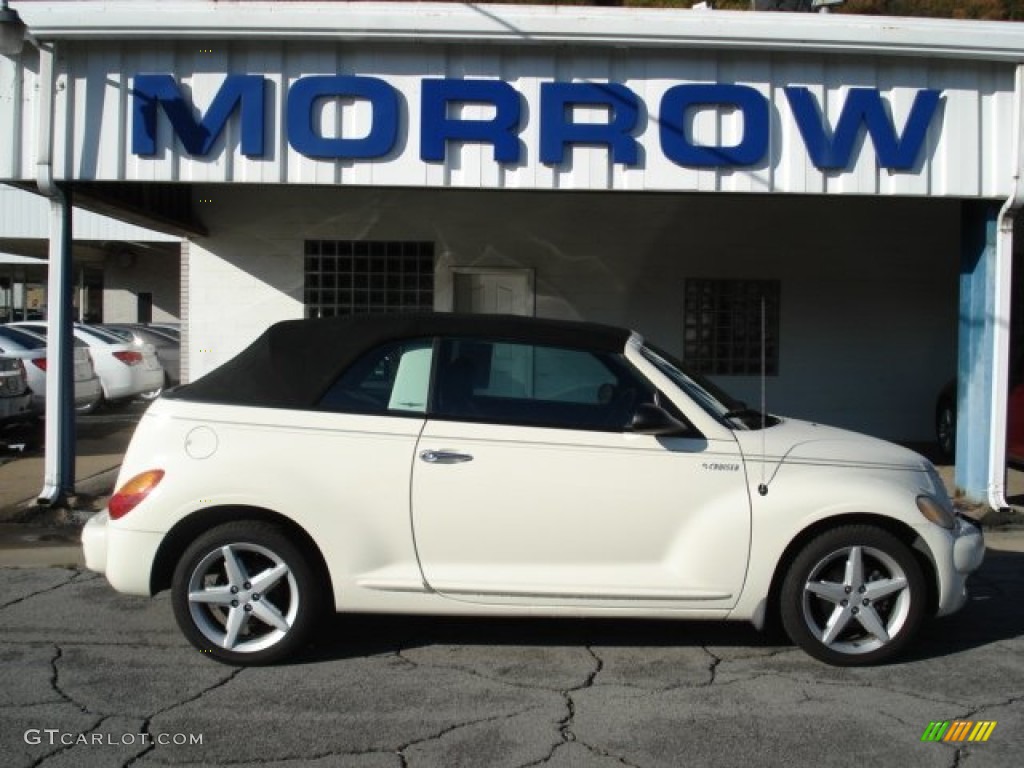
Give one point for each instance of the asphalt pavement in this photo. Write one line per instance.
(94, 678)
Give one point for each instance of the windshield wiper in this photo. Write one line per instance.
(741, 410)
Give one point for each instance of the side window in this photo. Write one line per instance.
(392, 379)
(536, 386)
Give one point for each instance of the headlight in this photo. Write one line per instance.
(932, 509)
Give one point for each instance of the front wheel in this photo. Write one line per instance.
(945, 427)
(244, 593)
(853, 596)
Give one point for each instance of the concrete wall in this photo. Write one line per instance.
(869, 285)
(126, 273)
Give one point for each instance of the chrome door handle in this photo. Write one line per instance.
(445, 457)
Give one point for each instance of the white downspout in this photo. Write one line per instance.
(1002, 308)
(56, 458)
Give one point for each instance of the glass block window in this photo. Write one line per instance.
(351, 277)
(723, 326)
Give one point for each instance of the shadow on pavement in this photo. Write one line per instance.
(353, 636)
(993, 614)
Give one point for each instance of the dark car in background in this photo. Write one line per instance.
(15, 396)
(946, 418)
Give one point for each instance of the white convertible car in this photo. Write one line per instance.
(489, 465)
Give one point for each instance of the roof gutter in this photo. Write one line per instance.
(1002, 308)
(477, 23)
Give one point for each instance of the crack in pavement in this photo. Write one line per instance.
(401, 750)
(963, 751)
(400, 653)
(841, 684)
(148, 721)
(75, 576)
(55, 681)
(398, 752)
(95, 644)
(713, 667)
(972, 711)
(565, 726)
(565, 732)
(65, 747)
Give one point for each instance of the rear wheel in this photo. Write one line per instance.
(853, 596)
(153, 394)
(244, 593)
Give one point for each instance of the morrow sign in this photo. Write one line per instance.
(864, 111)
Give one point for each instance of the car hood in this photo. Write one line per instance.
(792, 441)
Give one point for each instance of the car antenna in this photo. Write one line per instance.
(763, 487)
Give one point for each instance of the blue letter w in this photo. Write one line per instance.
(863, 108)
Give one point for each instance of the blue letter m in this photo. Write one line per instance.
(243, 92)
(863, 108)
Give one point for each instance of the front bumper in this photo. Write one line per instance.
(966, 553)
(968, 546)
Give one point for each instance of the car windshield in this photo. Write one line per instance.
(708, 395)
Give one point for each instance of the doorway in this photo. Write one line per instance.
(489, 291)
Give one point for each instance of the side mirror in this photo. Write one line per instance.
(650, 419)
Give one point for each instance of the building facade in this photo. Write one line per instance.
(122, 273)
(825, 201)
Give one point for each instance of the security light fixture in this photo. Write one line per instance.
(12, 31)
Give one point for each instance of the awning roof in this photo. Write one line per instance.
(523, 25)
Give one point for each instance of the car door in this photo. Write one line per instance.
(528, 487)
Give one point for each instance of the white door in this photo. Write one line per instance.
(519, 513)
(493, 291)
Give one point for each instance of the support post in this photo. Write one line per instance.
(981, 370)
(59, 458)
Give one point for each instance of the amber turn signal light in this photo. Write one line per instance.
(132, 493)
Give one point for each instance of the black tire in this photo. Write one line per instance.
(884, 604)
(262, 613)
(92, 407)
(945, 427)
(153, 394)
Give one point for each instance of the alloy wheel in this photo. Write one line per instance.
(856, 600)
(243, 597)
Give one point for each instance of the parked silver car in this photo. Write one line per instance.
(15, 397)
(164, 340)
(125, 371)
(30, 348)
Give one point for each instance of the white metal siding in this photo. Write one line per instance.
(968, 149)
(24, 215)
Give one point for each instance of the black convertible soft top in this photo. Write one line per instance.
(294, 362)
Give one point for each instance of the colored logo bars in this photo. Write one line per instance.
(958, 730)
